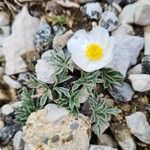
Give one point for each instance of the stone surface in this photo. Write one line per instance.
(4, 19)
(109, 21)
(101, 147)
(30, 58)
(18, 143)
(1, 123)
(142, 68)
(123, 136)
(139, 126)
(126, 51)
(84, 95)
(140, 82)
(63, 132)
(136, 69)
(61, 40)
(142, 12)
(44, 69)
(43, 37)
(5, 94)
(122, 93)
(55, 113)
(7, 109)
(11, 82)
(147, 39)
(7, 133)
(107, 140)
(67, 4)
(19, 42)
(127, 14)
(92, 10)
(124, 29)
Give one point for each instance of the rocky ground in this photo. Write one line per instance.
(30, 29)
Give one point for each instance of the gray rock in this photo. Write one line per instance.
(101, 147)
(142, 68)
(142, 12)
(124, 29)
(147, 39)
(92, 10)
(7, 133)
(43, 37)
(19, 42)
(136, 69)
(84, 95)
(18, 143)
(140, 82)
(54, 113)
(107, 140)
(4, 19)
(123, 137)
(126, 51)
(122, 93)
(44, 69)
(127, 14)
(85, 1)
(57, 125)
(7, 109)
(139, 126)
(109, 21)
(11, 82)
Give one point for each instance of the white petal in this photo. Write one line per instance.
(78, 42)
(99, 35)
(108, 55)
(81, 61)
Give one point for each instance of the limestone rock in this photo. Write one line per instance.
(17, 141)
(4, 19)
(127, 14)
(67, 3)
(123, 137)
(147, 39)
(122, 93)
(124, 29)
(84, 95)
(101, 147)
(142, 12)
(7, 109)
(11, 82)
(92, 10)
(140, 82)
(109, 21)
(61, 40)
(43, 36)
(19, 42)
(139, 126)
(65, 132)
(44, 69)
(126, 51)
(107, 140)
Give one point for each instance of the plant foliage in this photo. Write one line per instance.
(110, 77)
(29, 104)
(100, 112)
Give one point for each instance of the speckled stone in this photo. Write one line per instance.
(62, 131)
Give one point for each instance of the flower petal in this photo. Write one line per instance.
(108, 55)
(99, 35)
(78, 42)
(81, 61)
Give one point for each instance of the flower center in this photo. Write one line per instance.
(94, 51)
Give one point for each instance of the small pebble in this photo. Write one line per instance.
(7, 109)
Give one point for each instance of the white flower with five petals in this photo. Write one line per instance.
(91, 50)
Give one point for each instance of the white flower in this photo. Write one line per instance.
(91, 50)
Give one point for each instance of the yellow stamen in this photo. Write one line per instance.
(94, 51)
